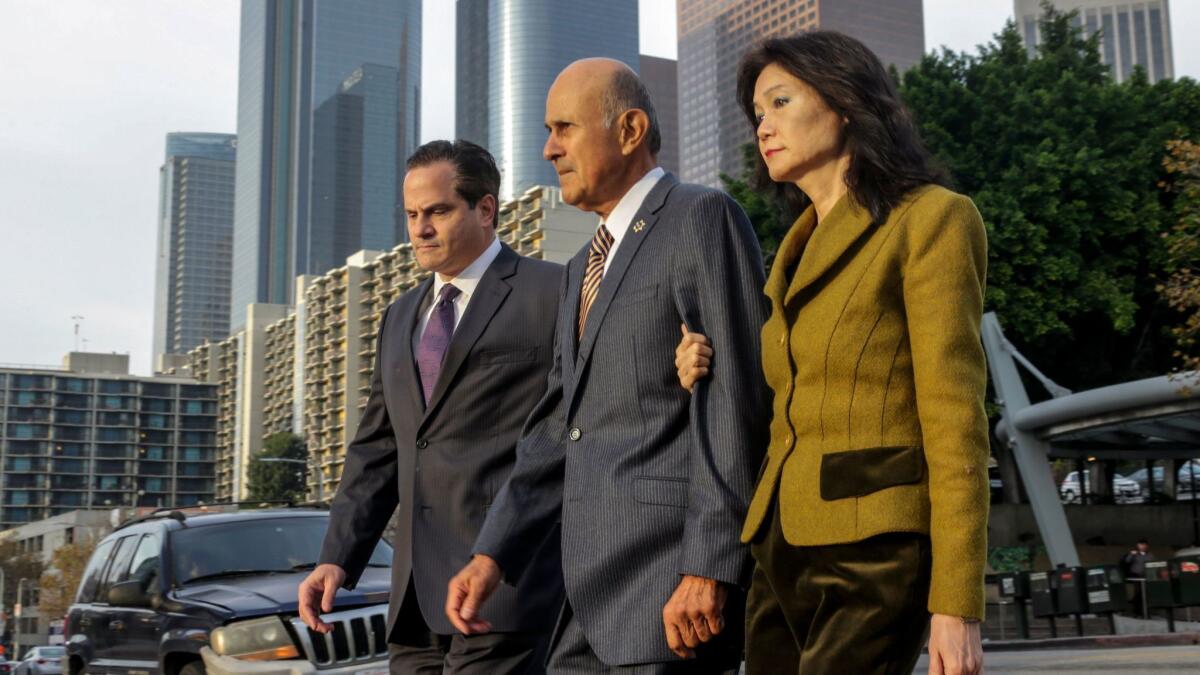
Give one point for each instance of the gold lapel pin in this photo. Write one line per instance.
(639, 226)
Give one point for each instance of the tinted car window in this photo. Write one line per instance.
(144, 566)
(267, 545)
(91, 576)
(120, 564)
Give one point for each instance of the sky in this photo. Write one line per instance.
(89, 90)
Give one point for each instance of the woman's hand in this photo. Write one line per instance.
(692, 357)
(955, 647)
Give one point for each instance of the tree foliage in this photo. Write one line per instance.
(278, 481)
(1065, 166)
(1182, 287)
(768, 219)
(59, 583)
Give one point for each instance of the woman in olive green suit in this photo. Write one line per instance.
(868, 524)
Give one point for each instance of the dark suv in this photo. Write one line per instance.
(184, 594)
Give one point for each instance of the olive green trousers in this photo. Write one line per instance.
(849, 608)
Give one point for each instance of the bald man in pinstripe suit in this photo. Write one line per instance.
(650, 484)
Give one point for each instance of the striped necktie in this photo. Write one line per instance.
(597, 255)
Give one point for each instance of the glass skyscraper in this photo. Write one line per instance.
(713, 36)
(195, 241)
(528, 43)
(1131, 33)
(328, 110)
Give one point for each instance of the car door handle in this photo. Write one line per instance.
(116, 624)
(85, 622)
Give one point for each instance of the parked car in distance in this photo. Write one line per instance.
(185, 594)
(1125, 491)
(41, 661)
(1183, 481)
(6, 666)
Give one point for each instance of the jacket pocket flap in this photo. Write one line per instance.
(661, 491)
(855, 473)
(507, 355)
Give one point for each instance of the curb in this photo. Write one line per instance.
(1096, 642)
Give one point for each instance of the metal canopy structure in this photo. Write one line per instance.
(1155, 418)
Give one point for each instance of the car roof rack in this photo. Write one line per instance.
(180, 513)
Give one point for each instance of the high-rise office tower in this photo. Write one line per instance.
(195, 242)
(328, 110)
(662, 79)
(1131, 33)
(713, 35)
(528, 43)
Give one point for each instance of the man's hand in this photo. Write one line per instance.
(320, 586)
(467, 592)
(693, 614)
(954, 647)
(692, 357)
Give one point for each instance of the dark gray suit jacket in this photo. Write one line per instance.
(650, 482)
(442, 465)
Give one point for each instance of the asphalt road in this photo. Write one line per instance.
(1128, 661)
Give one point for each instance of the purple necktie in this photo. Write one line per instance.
(436, 339)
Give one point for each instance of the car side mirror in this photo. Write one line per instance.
(129, 594)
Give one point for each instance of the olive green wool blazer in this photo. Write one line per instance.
(873, 353)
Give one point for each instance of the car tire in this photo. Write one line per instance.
(193, 668)
(1068, 496)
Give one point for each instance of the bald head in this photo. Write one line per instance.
(617, 88)
(603, 133)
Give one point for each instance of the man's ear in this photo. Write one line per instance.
(632, 127)
(488, 208)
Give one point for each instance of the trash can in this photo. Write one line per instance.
(1070, 590)
(1041, 594)
(1186, 573)
(1106, 590)
(1161, 585)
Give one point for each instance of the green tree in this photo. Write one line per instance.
(278, 481)
(767, 217)
(1064, 165)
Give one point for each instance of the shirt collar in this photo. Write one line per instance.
(618, 221)
(468, 279)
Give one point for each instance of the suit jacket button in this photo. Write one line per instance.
(576, 434)
(422, 444)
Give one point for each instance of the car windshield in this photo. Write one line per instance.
(51, 652)
(258, 546)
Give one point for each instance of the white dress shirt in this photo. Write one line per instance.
(620, 219)
(466, 282)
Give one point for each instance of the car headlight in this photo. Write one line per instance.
(263, 639)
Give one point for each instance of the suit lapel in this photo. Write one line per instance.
(489, 295)
(639, 230)
(409, 320)
(844, 225)
(568, 324)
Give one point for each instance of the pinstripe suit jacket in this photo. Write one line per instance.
(439, 465)
(649, 482)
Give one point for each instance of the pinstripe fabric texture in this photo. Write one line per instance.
(439, 465)
(597, 255)
(649, 482)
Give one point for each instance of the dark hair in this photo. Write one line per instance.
(626, 91)
(475, 170)
(887, 157)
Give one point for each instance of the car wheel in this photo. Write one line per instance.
(193, 668)
(1068, 496)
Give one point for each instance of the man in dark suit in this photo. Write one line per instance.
(651, 485)
(461, 359)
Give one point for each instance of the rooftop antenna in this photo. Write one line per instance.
(76, 318)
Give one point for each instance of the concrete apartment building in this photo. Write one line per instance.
(90, 435)
(307, 369)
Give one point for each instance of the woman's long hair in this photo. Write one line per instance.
(887, 157)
